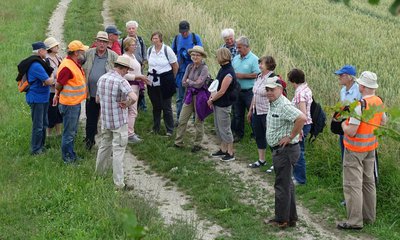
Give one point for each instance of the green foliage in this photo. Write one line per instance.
(132, 229)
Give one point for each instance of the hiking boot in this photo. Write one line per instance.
(134, 139)
(228, 157)
(273, 222)
(218, 154)
(257, 164)
(346, 226)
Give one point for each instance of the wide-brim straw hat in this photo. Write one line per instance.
(50, 43)
(198, 49)
(124, 61)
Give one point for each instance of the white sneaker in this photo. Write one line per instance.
(134, 139)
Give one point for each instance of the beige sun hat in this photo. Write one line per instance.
(51, 42)
(124, 61)
(198, 49)
(368, 79)
(102, 36)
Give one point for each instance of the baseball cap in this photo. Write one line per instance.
(184, 26)
(38, 45)
(273, 82)
(347, 69)
(76, 46)
(113, 30)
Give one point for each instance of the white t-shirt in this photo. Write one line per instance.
(159, 62)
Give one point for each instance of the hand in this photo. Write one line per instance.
(55, 100)
(123, 104)
(285, 141)
(210, 103)
(249, 115)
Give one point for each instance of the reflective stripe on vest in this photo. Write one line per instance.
(365, 140)
(74, 91)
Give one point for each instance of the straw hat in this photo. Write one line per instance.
(102, 36)
(50, 43)
(198, 49)
(124, 61)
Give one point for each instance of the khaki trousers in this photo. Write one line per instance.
(359, 187)
(184, 117)
(113, 141)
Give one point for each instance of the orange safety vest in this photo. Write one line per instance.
(365, 140)
(74, 92)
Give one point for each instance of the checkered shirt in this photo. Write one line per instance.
(111, 89)
(260, 95)
(232, 49)
(280, 120)
(303, 94)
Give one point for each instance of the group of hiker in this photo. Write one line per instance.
(109, 79)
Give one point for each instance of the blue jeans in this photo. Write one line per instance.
(39, 125)
(181, 93)
(71, 121)
(299, 170)
(239, 109)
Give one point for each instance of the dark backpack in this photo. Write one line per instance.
(235, 90)
(319, 120)
(175, 46)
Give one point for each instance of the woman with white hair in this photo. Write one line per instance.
(228, 34)
(54, 115)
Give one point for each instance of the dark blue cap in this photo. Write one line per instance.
(38, 45)
(113, 30)
(347, 69)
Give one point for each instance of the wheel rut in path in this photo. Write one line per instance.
(169, 199)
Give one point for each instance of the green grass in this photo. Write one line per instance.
(318, 37)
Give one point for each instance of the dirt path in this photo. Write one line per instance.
(169, 199)
(56, 23)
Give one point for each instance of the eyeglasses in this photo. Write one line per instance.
(195, 55)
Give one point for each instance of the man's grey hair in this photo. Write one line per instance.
(243, 41)
(35, 52)
(227, 32)
(132, 23)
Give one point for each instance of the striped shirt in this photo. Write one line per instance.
(303, 94)
(280, 121)
(261, 103)
(112, 88)
(232, 49)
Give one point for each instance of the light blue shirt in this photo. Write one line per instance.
(353, 94)
(247, 65)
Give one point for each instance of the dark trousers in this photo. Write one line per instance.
(161, 105)
(259, 124)
(39, 126)
(142, 100)
(285, 201)
(239, 109)
(92, 118)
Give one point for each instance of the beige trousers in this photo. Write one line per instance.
(113, 141)
(359, 187)
(184, 117)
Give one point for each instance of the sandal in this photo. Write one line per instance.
(270, 170)
(257, 164)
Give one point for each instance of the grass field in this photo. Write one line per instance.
(40, 198)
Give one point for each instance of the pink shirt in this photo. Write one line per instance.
(303, 94)
(261, 103)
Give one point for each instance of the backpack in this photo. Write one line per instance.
(23, 84)
(234, 94)
(319, 120)
(151, 49)
(175, 49)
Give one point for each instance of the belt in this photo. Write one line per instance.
(246, 90)
(288, 145)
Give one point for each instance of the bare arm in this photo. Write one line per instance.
(225, 84)
(175, 68)
(303, 107)
(246, 76)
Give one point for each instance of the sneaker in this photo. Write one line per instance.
(168, 134)
(270, 170)
(218, 154)
(134, 139)
(257, 164)
(228, 157)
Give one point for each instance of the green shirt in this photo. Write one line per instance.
(280, 121)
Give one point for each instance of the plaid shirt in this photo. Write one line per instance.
(261, 103)
(280, 120)
(112, 88)
(303, 94)
(232, 49)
